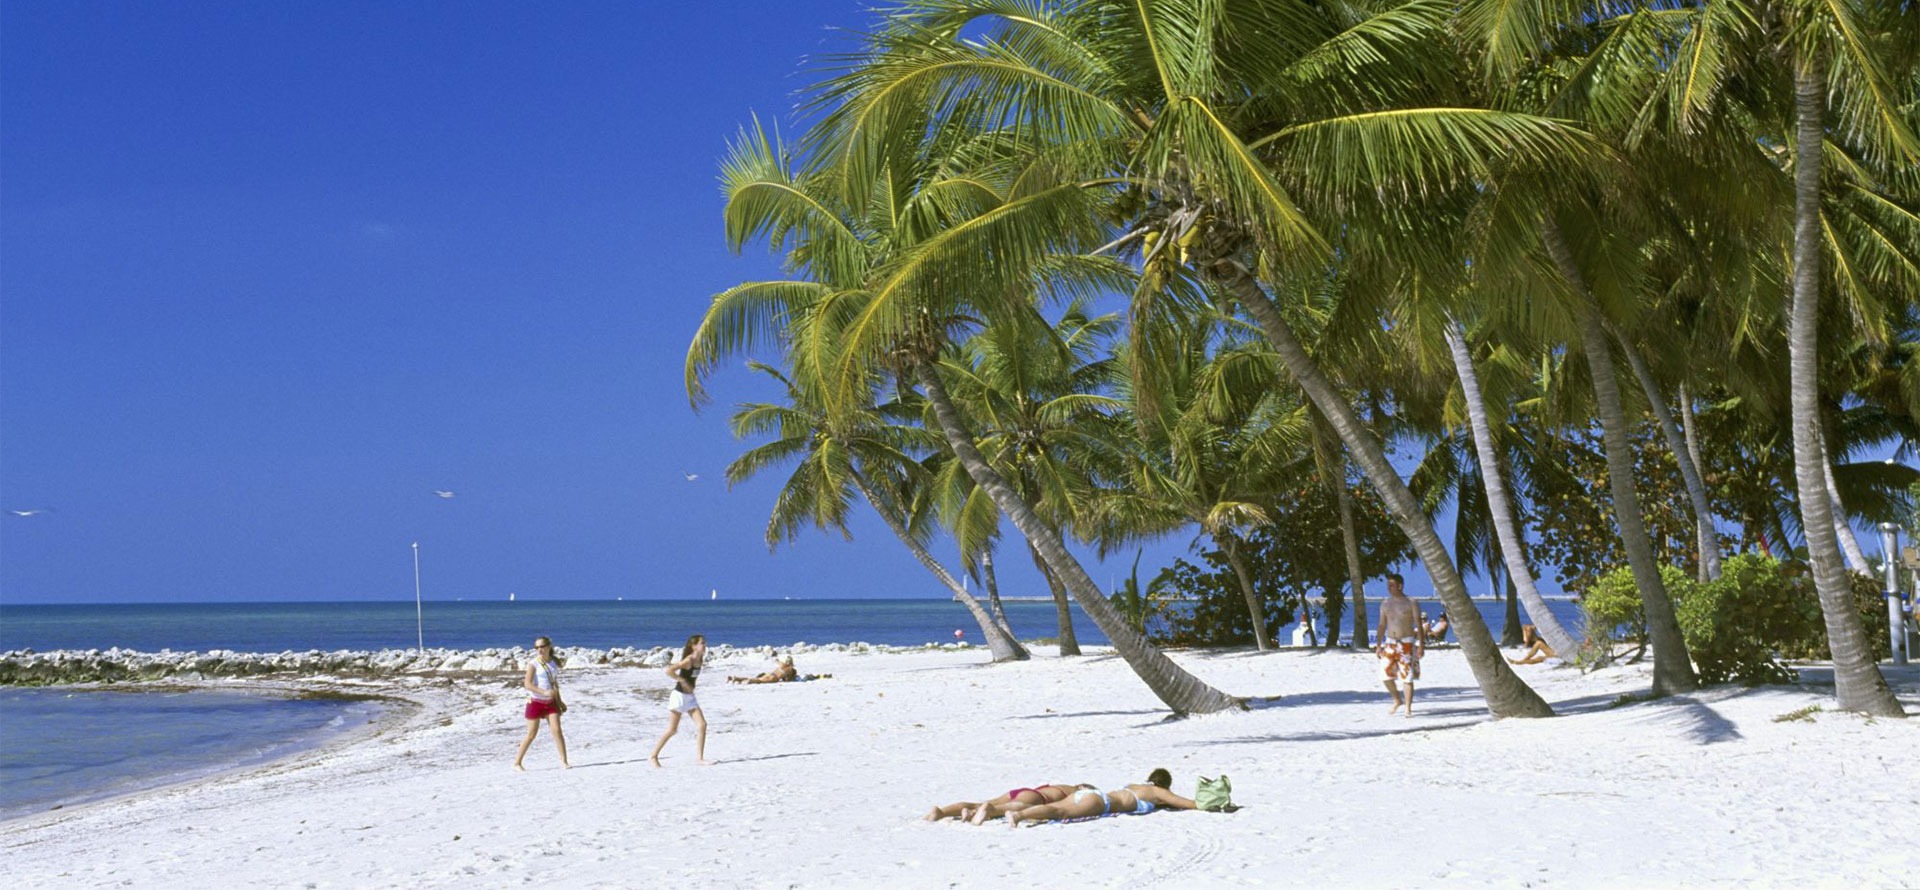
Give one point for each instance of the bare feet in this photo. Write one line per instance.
(979, 815)
(655, 761)
(705, 762)
(933, 815)
(516, 765)
(565, 765)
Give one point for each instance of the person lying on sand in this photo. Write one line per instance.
(1537, 648)
(784, 673)
(1088, 803)
(978, 812)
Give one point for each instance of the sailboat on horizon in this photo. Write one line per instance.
(509, 597)
(713, 594)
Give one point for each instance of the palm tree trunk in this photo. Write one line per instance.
(1062, 613)
(1000, 643)
(1703, 525)
(1506, 694)
(1857, 681)
(1689, 468)
(1672, 666)
(1510, 634)
(1849, 544)
(992, 581)
(1255, 610)
(1356, 577)
(1506, 530)
(1180, 690)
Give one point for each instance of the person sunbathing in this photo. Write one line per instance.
(980, 811)
(783, 673)
(1089, 803)
(1537, 648)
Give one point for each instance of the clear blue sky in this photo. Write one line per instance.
(272, 273)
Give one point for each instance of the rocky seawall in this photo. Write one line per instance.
(70, 666)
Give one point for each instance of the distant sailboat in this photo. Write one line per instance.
(509, 597)
(714, 594)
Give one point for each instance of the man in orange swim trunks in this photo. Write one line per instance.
(1400, 641)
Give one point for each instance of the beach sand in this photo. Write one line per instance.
(823, 784)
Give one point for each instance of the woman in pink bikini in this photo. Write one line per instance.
(542, 683)
(977, 813)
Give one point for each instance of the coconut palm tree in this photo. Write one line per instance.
(1215, 116)
(883, 283)
(860, 452)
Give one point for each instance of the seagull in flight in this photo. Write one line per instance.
(692, 477)
(37, 511)
(442, 493)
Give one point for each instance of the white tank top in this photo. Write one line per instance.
(543, 677)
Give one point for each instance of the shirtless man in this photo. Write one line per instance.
(1401, 640)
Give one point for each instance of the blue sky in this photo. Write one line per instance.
(273, 273)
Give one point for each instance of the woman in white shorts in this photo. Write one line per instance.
(685, 673)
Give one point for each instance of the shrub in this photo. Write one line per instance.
(1614, 611)
(1737, 627)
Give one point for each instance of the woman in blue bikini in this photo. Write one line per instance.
(1086, 803)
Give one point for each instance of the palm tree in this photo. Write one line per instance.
(1209, 126)
(859, 452)
(889, 267)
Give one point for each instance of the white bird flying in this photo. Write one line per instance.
(692, 477)
(444, 494)
(37, 511)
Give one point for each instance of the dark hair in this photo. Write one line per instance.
(1395, 577)
(1160, 777)
(550, 649)
(688, 648)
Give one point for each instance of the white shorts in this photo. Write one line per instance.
(684, 702)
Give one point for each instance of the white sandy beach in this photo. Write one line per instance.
(824, 784)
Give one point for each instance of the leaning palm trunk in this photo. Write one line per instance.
(993, 592)
(1356, 577)
(1672, 665)
(1180, 690)
(1069, 644)
(1506, 694)
(1702, 525)
(1498, 504)
(1857, 681)
(1689, 468)
(1000, 643)
(1849, 543)
(1255, 610)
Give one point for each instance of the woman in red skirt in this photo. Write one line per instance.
(542, 683)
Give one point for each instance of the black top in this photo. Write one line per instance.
(690, 676)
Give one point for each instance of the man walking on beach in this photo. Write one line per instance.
(1401, 640)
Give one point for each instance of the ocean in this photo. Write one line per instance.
(64, 746)
(281, 627)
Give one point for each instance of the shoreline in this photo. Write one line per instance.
(393, 711)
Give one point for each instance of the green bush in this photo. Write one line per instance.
(1738, 627)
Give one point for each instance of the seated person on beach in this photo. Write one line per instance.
(978, 812)
(1089, 803)
(1437, 629)
(1537, 648)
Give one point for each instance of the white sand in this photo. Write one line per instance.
(823, 784)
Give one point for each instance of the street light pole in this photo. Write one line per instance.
(1890, 564)
(419, 625)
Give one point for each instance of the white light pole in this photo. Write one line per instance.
(419, 626)
(1896, 623)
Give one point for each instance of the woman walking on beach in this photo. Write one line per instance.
(542, 683)
(685, 673)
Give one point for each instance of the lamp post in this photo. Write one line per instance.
(1890, 564)
(419, 626)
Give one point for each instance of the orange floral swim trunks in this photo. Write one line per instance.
(1400, 660)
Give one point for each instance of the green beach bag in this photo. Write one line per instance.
(1214, 795)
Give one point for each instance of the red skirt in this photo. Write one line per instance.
(538, 710)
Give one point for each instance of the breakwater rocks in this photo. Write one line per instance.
(67, 666)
